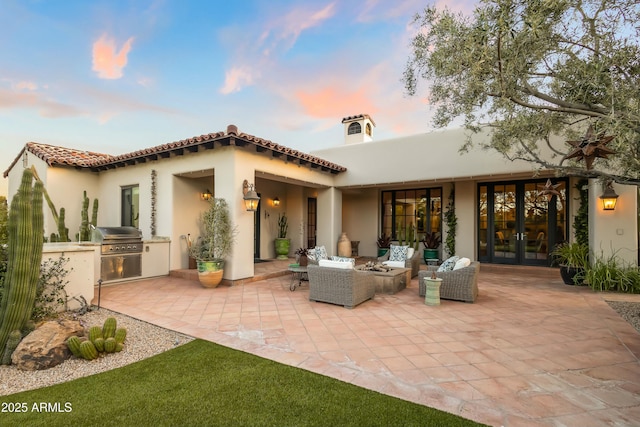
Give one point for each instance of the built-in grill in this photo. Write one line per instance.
(121, 252)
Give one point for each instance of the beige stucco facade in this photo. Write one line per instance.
(347, 201)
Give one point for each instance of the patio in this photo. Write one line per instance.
(530, 352)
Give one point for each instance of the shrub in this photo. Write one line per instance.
(50, 291)
(609, 275)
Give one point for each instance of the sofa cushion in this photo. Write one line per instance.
(395, 264)
(448, 264)
(335, 264)
(344, 259)
(398, 253)
(462, 263)
(410, 253)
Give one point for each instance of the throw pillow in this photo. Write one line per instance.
(311, 254)
(410, 253)
(449, 264)
(398, 253)
(344, 259)
(321, 253)
(462, 263)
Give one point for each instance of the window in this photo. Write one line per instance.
(130, 206)
(368, 129)
(419, 208)
(354, 128)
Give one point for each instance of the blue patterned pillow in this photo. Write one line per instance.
(398, 253)
(448, 264)
(321, 253)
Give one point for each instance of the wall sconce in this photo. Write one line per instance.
(206, 195)
(276, 202)
(250, 196)
(609, 197)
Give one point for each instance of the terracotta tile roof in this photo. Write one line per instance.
(359, 116)
(60, 156)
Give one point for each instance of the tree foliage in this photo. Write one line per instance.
(537, 73)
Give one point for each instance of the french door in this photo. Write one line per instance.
(518, 224)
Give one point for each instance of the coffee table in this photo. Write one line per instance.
(392, 281)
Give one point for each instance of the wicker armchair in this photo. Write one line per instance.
(347, 287)
(461, 284)
(413, 263)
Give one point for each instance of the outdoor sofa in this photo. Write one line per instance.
(412, 261)
(460, 284)
(342, 286)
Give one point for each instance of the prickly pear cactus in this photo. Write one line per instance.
(109, 328)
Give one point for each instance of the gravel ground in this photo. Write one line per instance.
(629, 311)
(143, 340)
(146, 340)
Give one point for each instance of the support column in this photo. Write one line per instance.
(614, 232)
(228, 179)
(329, 219)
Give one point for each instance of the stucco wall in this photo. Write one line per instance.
(360, 218)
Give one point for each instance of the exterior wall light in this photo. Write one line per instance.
(276, 202)
(609, 197)
(250, 196)
(206, 195)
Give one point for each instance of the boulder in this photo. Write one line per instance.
(45, 347)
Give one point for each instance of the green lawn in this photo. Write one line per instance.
(202, 383)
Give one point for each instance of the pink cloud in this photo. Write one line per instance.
(332, 102)
(106, 61)
(236, 78)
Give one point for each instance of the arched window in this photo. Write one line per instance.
(368, 129)
(354, 128)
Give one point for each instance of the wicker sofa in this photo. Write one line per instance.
(347, 287)
(413, 263)
(461, 284)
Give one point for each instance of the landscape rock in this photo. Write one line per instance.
(45, 347)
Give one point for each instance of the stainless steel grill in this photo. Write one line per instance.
(121, 249)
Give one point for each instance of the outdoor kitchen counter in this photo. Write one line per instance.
(155, 257)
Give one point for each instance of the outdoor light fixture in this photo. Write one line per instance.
(251, 198)
(276, 202)
(206, 195)
(609, 197)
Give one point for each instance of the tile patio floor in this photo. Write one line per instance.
(530, 352)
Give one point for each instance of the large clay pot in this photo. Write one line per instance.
(282, 248)
(344, 246)
(210, 273)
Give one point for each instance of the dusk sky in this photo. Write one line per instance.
(117, 76)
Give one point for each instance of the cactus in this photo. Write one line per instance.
(110, 345)
(94, 213)
(109, 328)
(119, 347)
(14, 339)
(28, 327)
(24, 226)
(95, 332)
(73, 342)
(88, 350)
(63, 231)
(99, 343)
(121, 335)
(84, 216)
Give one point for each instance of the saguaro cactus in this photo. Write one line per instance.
(25, 229)
(84, 214)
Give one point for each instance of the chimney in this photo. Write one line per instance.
(358, 129)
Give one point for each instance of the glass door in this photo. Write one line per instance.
(518, 224)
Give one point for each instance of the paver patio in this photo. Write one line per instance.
(530, 352)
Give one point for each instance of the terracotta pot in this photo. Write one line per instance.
(210, 273)
(344, 246)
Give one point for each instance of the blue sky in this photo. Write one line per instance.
(116, 76)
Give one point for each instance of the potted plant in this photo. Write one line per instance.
(282, 244)
(431, 242)
(214, 244)
(573, 259)
(302, 255)
(383, 243)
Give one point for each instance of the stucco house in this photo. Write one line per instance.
(361, 186)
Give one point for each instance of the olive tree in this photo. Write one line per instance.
(536, 74)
